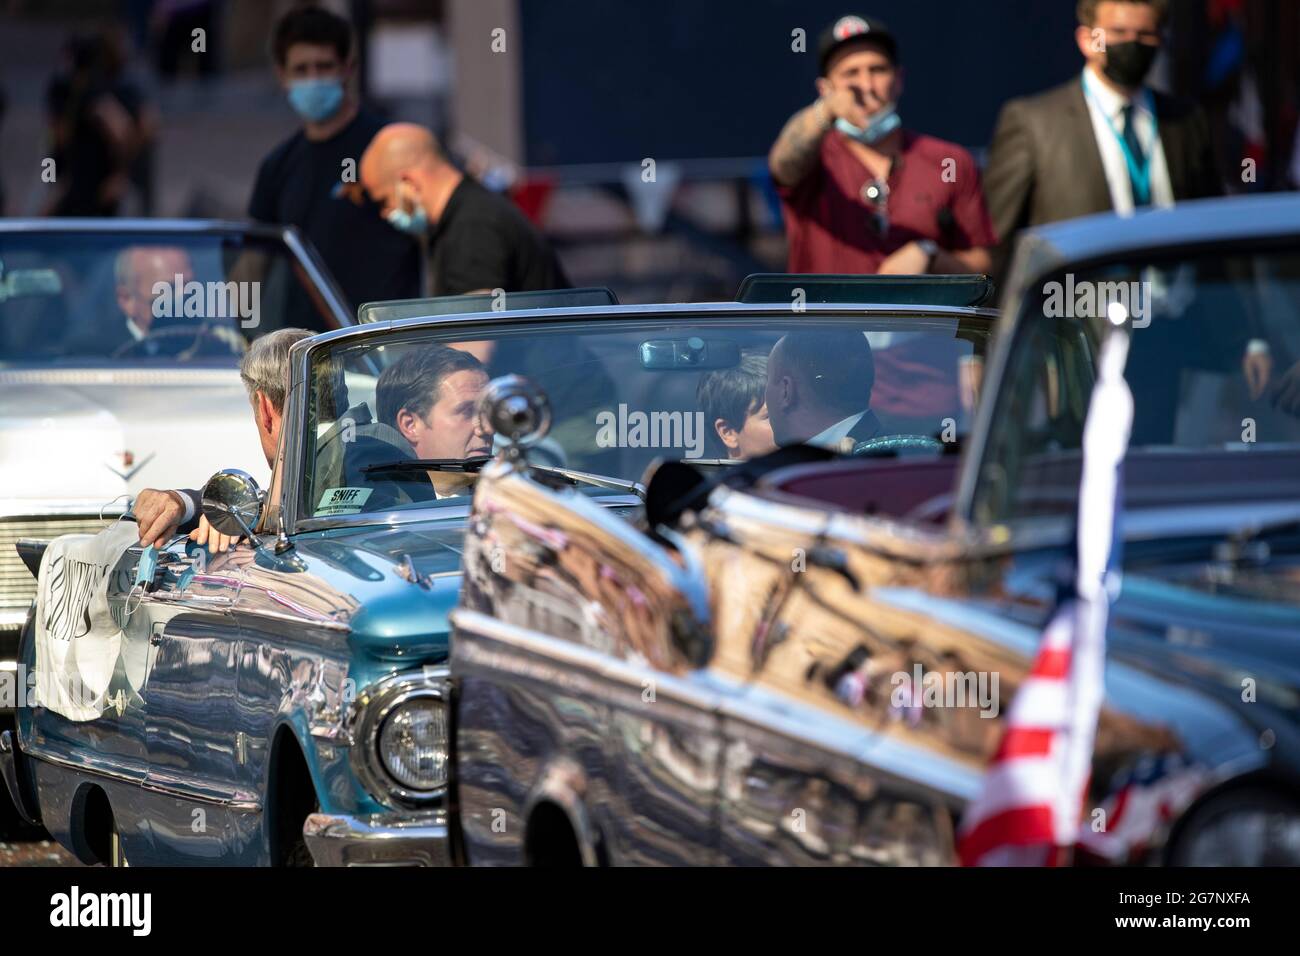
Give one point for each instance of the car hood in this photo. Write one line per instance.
(64, 433)
(1216, 626)
(403, 581)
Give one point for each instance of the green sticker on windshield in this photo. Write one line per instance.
(342, 501)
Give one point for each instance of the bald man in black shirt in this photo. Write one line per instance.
(478, 241)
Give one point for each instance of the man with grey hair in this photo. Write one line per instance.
(136, 270)
(264, 371)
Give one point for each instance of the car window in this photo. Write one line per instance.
(1214, 367)
(624, 394)
(146, 298)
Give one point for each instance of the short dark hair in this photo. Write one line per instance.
(836, 365)
(733, 394)
(1086, 10)
(311, 25)
(413, 381)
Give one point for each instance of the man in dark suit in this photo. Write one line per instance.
(136, 272)
(1101, 141)
(819, 389)
(1104, 141)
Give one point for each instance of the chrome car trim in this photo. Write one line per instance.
(390, 518)
(231, 799)
(82, 764)
(139, 224)
(315, 621)
(119, 376)
(677, 311)
(366, 718)
(36, 509)
(177, 787)
(314, 267)
(748, 705)
(699, 692)
(405, 839)
(300, 358)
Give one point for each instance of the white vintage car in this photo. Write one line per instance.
(119, 349)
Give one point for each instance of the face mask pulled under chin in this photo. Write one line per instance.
(879, 125)
(413, 223)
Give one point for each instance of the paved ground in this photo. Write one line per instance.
(35, 853)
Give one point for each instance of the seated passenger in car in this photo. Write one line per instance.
(733, 402)
(819, 389)
(430, 396)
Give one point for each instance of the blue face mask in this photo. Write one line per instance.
(878, 126)
(316, 100)
(413, 223)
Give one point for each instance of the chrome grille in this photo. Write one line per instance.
(17, 586)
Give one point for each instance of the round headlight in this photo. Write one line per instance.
(413, 744)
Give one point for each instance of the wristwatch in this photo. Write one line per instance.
(930, 248)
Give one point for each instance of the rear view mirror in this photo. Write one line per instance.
(689, 354)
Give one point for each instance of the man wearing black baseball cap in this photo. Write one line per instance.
(860, 193)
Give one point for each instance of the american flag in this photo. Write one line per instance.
(1028, 810)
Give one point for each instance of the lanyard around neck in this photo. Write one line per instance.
(1139, 174)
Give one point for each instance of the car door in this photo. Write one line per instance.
(191, 705)
(575, 684)
(828, 757)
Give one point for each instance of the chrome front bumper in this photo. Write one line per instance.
(408, 839)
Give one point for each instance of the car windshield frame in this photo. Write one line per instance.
(292, 514)
(296, 249)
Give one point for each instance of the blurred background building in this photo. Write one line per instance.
(562, 103)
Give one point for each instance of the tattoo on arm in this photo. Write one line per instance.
(796, 150)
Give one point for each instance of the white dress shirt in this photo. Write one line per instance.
(1106, 104)
(830, 438)
(1106, 108)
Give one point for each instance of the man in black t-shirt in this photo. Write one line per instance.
(301, 182)
(479, 241)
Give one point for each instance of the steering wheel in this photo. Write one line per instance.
(196, 332)
(893, 443)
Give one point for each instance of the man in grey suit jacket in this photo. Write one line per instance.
(1102, 142)
(1091, 145)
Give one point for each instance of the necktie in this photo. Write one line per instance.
(1140, 197)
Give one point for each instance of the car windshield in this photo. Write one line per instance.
(1214, 367)
(142, 297)
(627, 392)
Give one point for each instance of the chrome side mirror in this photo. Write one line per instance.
(232, 503)
(517, 410)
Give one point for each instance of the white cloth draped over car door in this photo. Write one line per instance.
(78, 638)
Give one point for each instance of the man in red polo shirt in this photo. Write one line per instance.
(860, 193)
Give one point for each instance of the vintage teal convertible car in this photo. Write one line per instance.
(282, 703)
